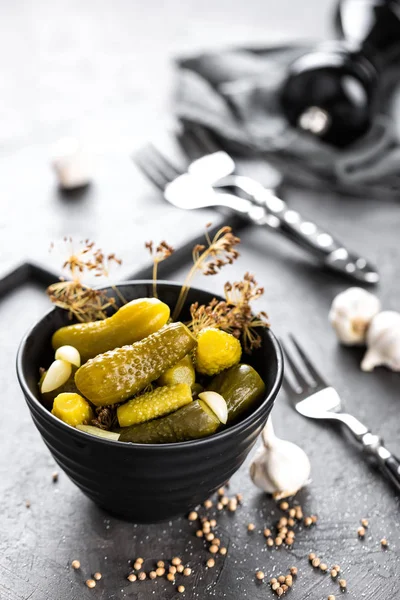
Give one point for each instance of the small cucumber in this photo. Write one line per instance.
(157, 403)
(242, 388)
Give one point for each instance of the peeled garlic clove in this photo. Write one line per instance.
(217, 404)
(351, 313)
(281, 468)
(69, 354)
(57, 374)
(383, 341)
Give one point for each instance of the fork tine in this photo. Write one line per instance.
(290, 390)
(153, 164)
(307, 362)
(148, 170)
(196, 142)
(301, 381)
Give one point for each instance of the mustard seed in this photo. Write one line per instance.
(283, 531)
(223, 550)
(314, 519)
(232, 506)
(199, 533)
(311, 556)
(384, 543)
(180, 568)
(361, 532)
(364, 522)
(291, 522)
(273, 580)
(334, 573)
(55, 476)
(267, 532)
(152, 574)
(97, 576)
(251, 527)
(160, 571)
(181, 589)
(161, 564)
(283, 522)
(207, 503)
(331, 597)
(289, 580)
(210, 537)
(323, 567)
(260, 575)
(213, 549)
(284, 506)
(299, 513)
(221, 491)
(281, 579)
(172, 570)
(220, 506)
(239, 498)
(224, 500)
(292, 512)
(76, 564)
(270, 542)
(315, 562)
(176, 561)
(187, 571)
(308, 521)
(275, 586)
(131, 577)
(217, 541)
(289, 541)
(192, 515)
(210, 563)
(142, 576)
(294, 571)
(291, 533)
(278, 541)
(27, 503)
(279, 591)
(139, 560)
(170, 577)
(337, 568)
(90, 583)
(213, 523)
(343, 583)
(284, 587)
(137, 565)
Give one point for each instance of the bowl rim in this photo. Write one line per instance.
(82, 435)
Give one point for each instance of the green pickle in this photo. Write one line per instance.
(157, 403)
(182, 372)
(132, 322)
(121, 373)
(193, 421)
(242, 388)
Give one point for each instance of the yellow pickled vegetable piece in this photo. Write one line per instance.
(131, 323)
(72, 409)
(182, 372)
(216, 351)
(157, 403)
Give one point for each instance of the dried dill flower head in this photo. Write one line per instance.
(234, 314)
(80, 300)
(158, 254)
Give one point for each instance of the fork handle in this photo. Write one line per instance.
(388, 463)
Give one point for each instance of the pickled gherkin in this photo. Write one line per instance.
(242, 388)
(131, 323)
(182, 372)
(193, 421)
(216, 350)
(119, 374)
(72, 409)
(157, 403)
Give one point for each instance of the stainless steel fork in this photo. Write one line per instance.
(314, 398)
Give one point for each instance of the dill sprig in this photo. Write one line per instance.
(234, 314)
(209, 260)
(80, 300)
(158, 254)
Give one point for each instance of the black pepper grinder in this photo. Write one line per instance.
(331, 91)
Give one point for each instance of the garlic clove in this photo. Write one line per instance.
(351, 313)
(57, 374)
(281, 468)
(69, 354)
(217, 404)
(383, 341)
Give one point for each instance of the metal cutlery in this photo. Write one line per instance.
(211, 180)
(314, 398)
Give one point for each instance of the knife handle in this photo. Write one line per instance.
(388, 463)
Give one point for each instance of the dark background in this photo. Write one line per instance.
(102, 71)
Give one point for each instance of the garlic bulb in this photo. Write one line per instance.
(351, 313)
(281, 468)
(72, 163)
(383, 341)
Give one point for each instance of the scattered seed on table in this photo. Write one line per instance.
(283, 531)
(239, 498)
(199, 533)
(176, 561)
(213, 549)
(193, 515)
(343, 583)
(137, 565)
(278, 541)
(299, 513)
(270, 542)
(284, 506)
(142, 576)
(76, 564)
(139, 560)
(224, 500)
(275, 586)
(267, 532)
(221, 491)
(207, 503)
(97, 576)
(131, 577)
(187, 571)
(217, 541)
(308, 521)
(285, 587)
(273, 580)
(210, 563)
(160, 564)
(291, 522)
(220, 506)
(315, 562)
(311, 556)
(294, 571)
(251, 527)
(180, 568)
(337, 568)
(210, 537)
(281, 579)
(292, 512)
(232, 506)
(27, 503)
(384, 543)
(55, 476)
(260, 575)
(223, 550)
(170, 577)
(90, 583)
(282, 522)
(323, 567)
(160, 571)
(331, 597)
(364, 522)
(213, 522)
(181, 589)
(334, 573)
(289, 580)
(361, 532)
(279, 591)
(172, 570)
(314, 519)
(152, 574)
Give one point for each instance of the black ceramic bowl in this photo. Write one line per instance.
(145, 482)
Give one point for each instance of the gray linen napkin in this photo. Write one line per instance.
(235, 94)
